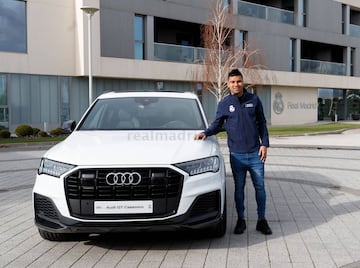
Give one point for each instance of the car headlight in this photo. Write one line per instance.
(53, 168)
(210, 164)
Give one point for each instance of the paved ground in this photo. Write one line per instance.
(349, 139)
(313, 190)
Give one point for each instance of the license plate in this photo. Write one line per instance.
(123, 207)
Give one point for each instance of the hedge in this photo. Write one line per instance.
(24, 130)
(5, 134)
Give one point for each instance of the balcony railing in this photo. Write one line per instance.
(322, 67)
(354, 30)
(177, 53)
(265, 12)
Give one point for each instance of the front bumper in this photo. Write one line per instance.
(205, 211)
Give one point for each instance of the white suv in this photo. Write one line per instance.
(132, 164)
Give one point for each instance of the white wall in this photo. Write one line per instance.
(354, 3)
(56, 39)
(50, 40)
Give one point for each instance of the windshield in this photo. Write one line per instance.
(144, 113)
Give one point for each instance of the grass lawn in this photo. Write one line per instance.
(306, 129)
(273, 131)
(32, 139)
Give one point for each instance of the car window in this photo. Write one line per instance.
(144, 113)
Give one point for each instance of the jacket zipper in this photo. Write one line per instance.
(243, 124)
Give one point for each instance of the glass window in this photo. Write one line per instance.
(12, 26)
(352, 60)
(3, 94)
(242, 40)
(4, 118)
(227, 3)
(292, 54)
(139, 51)
(304, 15)
(243, 45)
(4, 110)
(34, 99)
(146, 113)
(331, 104)
(64, 93)
(139, 37)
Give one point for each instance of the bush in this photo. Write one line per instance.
(23, 130)
(5, 134)
(55, 132)
(36, 131)
(42, 134)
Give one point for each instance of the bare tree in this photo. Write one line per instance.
(221, 55)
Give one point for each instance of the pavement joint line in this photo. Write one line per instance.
(45, 146)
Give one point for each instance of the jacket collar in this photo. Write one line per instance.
(236, 96)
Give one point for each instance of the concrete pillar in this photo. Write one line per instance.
(234, 7)
(347, 20)
(149, 38)
(298, 55)
(299, 10)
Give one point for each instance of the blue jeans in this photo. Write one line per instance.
(240, 164)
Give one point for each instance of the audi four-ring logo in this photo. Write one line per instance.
(123, 178)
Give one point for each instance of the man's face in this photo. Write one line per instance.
(236, 85)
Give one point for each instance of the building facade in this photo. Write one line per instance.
(311, 51)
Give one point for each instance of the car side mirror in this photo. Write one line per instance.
(68, 126)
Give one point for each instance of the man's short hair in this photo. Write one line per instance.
(235, 72)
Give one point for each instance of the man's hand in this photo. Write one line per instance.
(200, 136)
(263, 153)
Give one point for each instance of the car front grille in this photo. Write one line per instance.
(85, 186)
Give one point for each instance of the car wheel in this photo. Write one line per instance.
(61, 236)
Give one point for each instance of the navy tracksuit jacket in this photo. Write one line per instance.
(244, 121)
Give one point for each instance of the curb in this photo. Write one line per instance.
(26, 146)
(223, 142)
(303, 146)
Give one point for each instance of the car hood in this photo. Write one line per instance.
(107, 148)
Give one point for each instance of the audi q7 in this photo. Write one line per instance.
(132, 164)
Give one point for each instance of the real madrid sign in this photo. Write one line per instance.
(293, 105)
(279, 105)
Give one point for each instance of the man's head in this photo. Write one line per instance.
(235, 82)
(235, 72)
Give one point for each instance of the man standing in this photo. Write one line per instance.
(241, 114)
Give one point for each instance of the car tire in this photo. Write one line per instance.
(61, 236)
